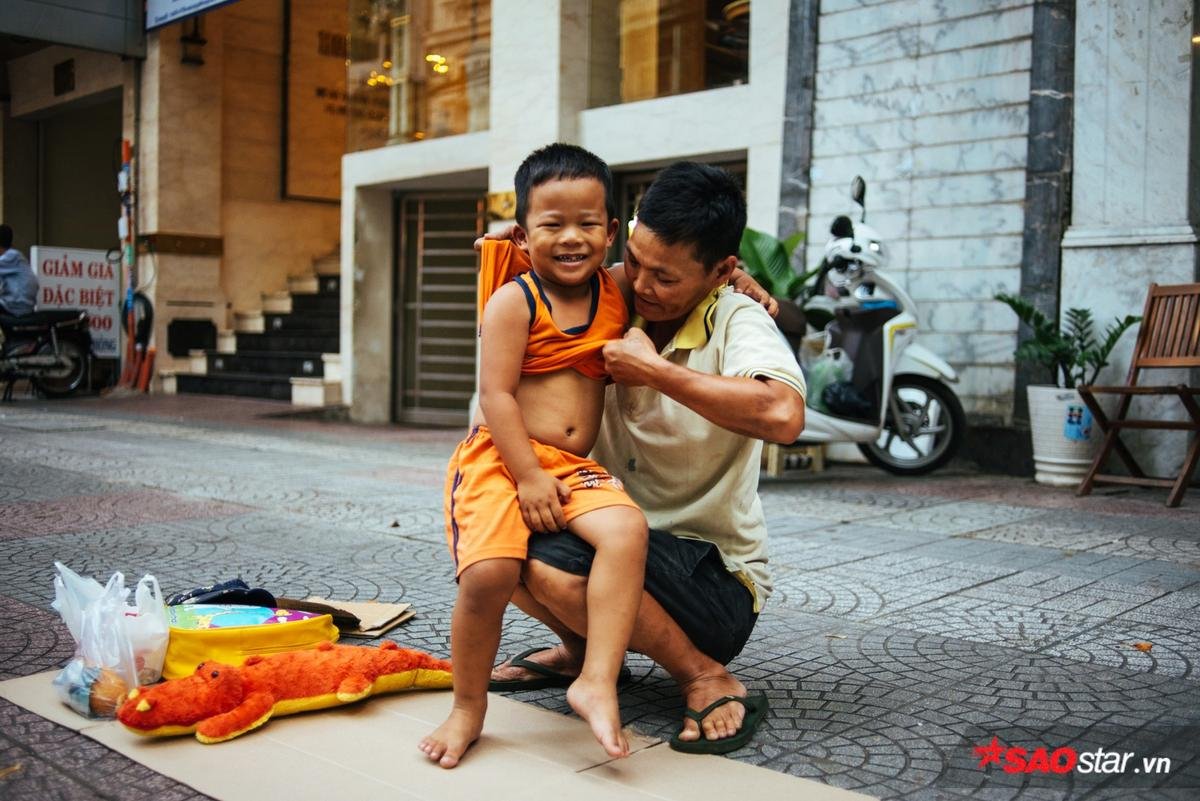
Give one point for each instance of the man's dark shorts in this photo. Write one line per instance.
(687, 577)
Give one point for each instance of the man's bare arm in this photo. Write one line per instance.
(760, 408)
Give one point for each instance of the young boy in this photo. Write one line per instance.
(524, 467)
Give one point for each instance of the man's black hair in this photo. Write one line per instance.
(698, 205)
(561, 162)
(6, 237)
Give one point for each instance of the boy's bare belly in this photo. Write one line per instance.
(562, 409)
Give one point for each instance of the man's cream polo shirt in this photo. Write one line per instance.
(690, 476)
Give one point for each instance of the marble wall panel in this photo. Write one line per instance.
(997, 26)
(882, 17)
(876, 49)
(931, 286)
(996, 122)
(841, 140)
(1132, 101)
(968, 316)
(881, 196)
(974, 348)
(982, 380)
(966, 253)
(981, 156)
(995, 186)
(927, 99)
(984, 221)
(887, 76)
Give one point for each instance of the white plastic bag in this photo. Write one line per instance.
(832, 366)
(117, 646)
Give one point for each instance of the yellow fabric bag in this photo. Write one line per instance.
(230, 633)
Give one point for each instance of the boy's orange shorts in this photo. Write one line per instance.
(483, 519)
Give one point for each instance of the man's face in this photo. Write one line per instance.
(567, 232)
(667, 280)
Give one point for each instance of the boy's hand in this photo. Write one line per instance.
(743, 284)
(632, 360)
(502, 234)
(541, 497)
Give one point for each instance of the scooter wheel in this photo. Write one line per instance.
(929, 430)
(66, 380)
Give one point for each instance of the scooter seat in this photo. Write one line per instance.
(40, 319)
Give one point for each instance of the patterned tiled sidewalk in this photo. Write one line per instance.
(912, 620)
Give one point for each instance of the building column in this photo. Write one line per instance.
(179, 183)
(537, 52)
(1135, 170)
(798, 118)
(1047, 172)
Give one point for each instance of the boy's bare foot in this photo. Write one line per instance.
(596, 702)
(449, 742)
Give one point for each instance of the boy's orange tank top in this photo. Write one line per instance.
(549, 348)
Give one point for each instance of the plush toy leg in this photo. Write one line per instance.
(249, 714)
(353, 688)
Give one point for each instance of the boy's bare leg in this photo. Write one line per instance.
(559, 599)
(565, 658)
(614, 591)
(483, 591)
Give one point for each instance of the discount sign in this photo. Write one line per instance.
(70, 278)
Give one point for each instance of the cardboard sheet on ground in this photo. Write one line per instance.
(368, 751)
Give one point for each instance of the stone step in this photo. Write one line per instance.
(316, 392)
(250, 385)
(329, 264)
(290, 363)
(304, 321)
(320, 342)
(315, 302)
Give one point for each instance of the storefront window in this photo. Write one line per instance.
(418, 69)
(654, 48)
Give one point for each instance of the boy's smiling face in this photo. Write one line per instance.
(566, 232)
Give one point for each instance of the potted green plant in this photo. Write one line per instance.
(1064, 441)
(768, 260)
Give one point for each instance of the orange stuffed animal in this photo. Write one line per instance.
(218, 702)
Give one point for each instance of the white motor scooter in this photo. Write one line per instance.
(869, 382)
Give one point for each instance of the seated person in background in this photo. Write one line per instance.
(18, 284)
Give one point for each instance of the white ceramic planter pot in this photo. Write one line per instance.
(1065, 437)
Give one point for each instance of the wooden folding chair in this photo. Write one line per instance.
(1169, 337)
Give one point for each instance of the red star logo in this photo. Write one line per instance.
(989, 753)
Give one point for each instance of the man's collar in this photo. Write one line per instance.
(698, 327)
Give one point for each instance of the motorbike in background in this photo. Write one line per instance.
(869, 382)
(50, 348)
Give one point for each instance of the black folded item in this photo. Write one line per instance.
(234, 591)
(843, 399)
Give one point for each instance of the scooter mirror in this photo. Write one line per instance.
(858, 190)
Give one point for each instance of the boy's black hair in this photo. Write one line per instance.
(698, 205)
(6, 237)
(561, 162)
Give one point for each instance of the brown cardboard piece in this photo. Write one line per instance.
(368, 751)
(358, 619)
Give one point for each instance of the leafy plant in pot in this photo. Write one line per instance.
(1071, 354)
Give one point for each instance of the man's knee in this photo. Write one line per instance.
(546, 582)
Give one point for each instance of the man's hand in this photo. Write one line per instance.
(633, 360)
(540, 497)
(743, 284)
(502, 234)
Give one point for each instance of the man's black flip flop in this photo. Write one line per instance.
(543, 676)
(756, 710)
